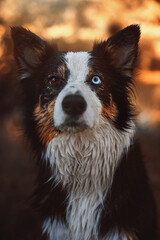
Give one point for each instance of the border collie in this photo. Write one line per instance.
(79, 118)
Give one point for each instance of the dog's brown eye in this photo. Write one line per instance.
(52, 80)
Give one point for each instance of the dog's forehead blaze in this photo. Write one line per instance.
(77, 65)
(44, 118)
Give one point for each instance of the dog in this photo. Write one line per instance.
(79, 118)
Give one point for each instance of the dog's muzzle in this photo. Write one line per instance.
(74, 105)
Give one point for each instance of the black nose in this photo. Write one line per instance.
(74, 105)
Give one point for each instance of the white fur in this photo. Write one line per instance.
(56, 230)
(85, 163)
(77, 64)
(25, 75)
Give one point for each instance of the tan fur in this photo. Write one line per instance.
(62, 70)
(45, 122)
(110, 112)
(90, 71)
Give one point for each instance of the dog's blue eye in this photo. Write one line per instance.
(96, 80)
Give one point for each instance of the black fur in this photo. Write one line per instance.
(129, 204)
(48, 199)
(110, 58)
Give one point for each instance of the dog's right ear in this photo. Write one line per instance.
(29, 50)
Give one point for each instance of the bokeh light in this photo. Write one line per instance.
(73, 25)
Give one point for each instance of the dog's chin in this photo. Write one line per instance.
(73, 126)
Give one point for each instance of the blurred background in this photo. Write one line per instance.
(74, 25)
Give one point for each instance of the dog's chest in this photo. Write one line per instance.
(78, 166)
(84, 163)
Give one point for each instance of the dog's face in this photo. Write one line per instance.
(76, 104)
(72, 91)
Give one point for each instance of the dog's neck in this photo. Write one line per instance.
(86, 161)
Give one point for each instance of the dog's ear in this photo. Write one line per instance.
(122, 49)
(29, 50)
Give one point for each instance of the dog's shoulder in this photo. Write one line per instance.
(129, 196)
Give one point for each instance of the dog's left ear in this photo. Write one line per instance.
(122, 49)
(29, 50)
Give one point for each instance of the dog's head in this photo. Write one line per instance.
(72, 91)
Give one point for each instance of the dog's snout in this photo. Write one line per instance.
(74, 104)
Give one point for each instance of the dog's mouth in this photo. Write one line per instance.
(73, 126)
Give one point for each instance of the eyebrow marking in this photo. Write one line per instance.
(62, 70)
(90, 71)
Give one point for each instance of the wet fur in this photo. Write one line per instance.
(92, 183)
